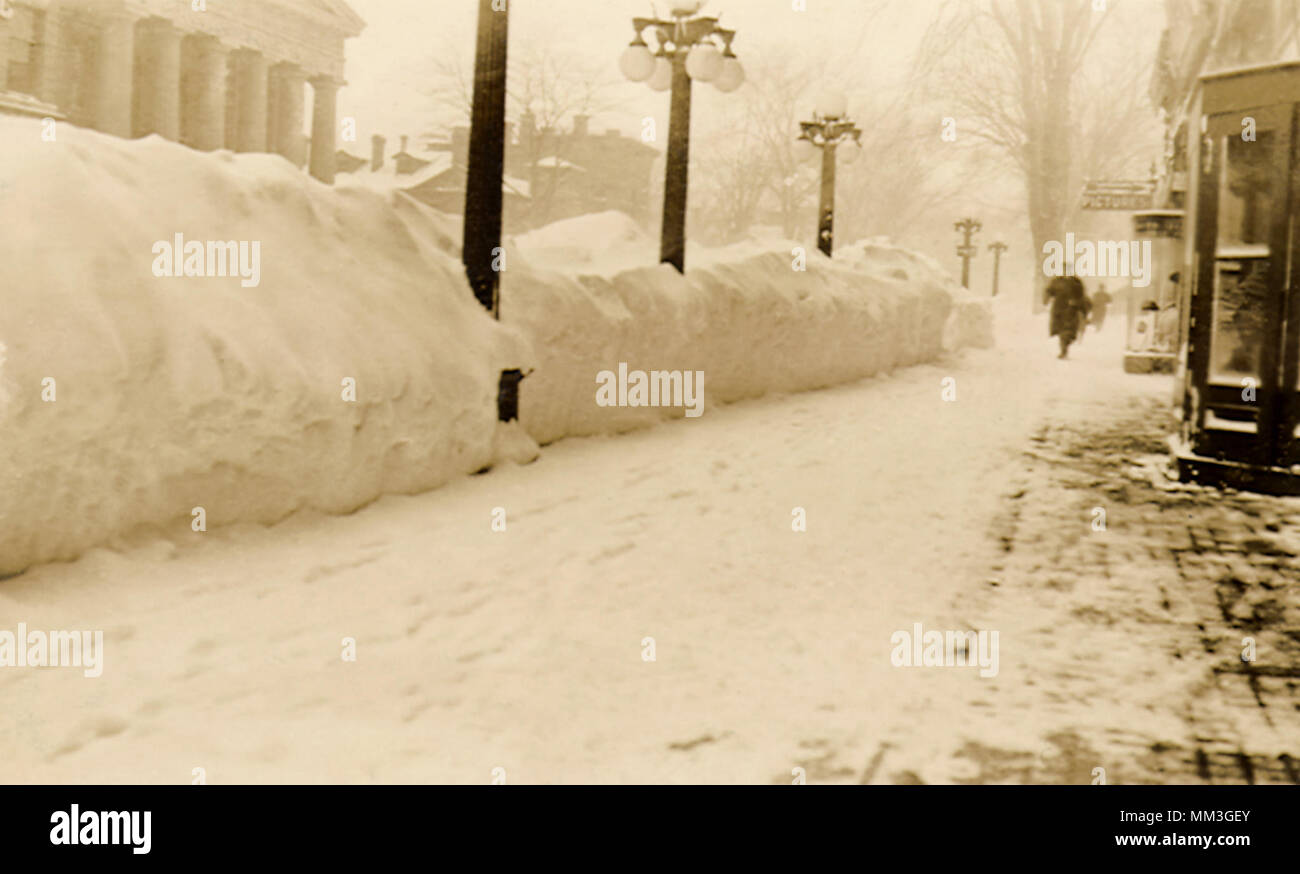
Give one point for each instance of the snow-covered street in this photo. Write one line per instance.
(649, 613)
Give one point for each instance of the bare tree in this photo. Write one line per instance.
(547, 86)
(1011, 71)
(773, 108)
(745, 167)
(729, 187)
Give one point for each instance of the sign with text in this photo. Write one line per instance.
(1119, 195)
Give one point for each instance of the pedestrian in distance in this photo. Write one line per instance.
(1100, 301)
(1069, 309)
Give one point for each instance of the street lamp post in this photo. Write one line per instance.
(686, 47)
(966, 251)
(827, 131)
(997, 248)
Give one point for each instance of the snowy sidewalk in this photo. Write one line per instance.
(524, 649)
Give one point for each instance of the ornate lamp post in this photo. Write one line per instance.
(997, 249)
(685, 48)
(828, 129)
(966, 251)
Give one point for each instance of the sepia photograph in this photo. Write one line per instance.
(898, 397)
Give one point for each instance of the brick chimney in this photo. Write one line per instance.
(581, 123)
(404, 141)
(377, 146)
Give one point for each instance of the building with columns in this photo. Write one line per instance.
(211, 74)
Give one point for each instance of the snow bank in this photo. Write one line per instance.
(971, 321)
(745, 318)
(176, 393)
(128, 399)
(604, 244)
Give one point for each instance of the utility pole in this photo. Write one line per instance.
(997, 249)
(968, 227)
(481, 243)
(487, 147)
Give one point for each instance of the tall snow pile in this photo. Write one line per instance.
(133, 399)
(745, 318)
(971, 320)
(603, 243)
(350, 360)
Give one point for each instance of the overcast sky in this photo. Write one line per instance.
(388, 63)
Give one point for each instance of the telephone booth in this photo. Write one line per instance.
(1241, 396)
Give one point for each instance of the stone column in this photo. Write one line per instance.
(323, 124)
(287, 81)
(114, 76)
(158, 80)
(4, 55)
(45, 54)
(54, 58)
(251, 100)
(203, 101)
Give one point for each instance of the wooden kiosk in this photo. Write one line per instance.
(1241, 396)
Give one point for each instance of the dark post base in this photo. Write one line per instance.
(508, 395)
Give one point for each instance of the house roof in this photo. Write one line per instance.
(440, 165)
(453, 179)
(519, 186)
(556, 161)
(419, 162)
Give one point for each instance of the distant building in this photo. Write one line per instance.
(438, 181)
(577, 172)
(444, 189)
(229, 76)
(346, 162)
(565, 174)
(406, 163)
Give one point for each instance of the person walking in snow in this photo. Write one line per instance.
(1100, 300)
(1070, 307)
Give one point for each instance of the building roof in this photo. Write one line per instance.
(551, 161)
(388, 179)
(439, 165)
(347, 21)
(1246, 70)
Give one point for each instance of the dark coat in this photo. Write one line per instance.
(1069, 306)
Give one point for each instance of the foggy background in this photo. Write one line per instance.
(892, 58)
